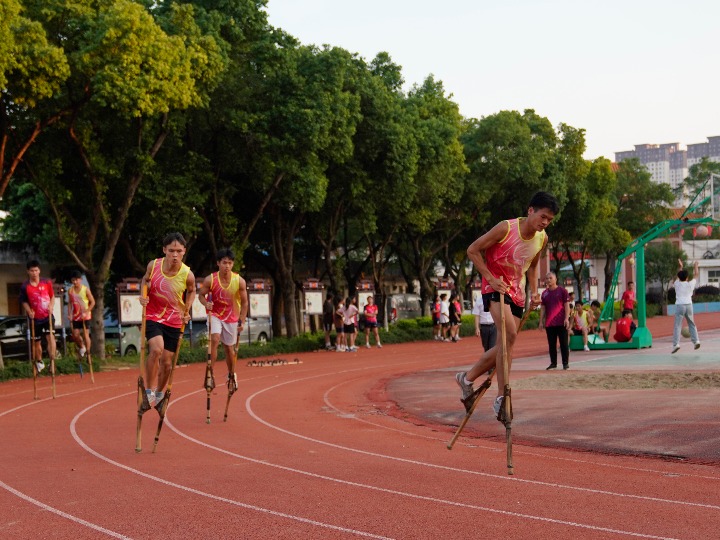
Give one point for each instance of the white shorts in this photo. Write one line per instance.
(228, 331)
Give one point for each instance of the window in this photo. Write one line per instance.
(713, 276)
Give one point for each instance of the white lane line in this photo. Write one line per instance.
(520, 451)
(194, 491)
(61, 513)
(248, 407)
(406, 494)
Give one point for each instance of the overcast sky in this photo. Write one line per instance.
(628, 72)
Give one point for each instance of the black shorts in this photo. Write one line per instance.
(577, 332)
(370, 324)
(78, 325)
(349, 328)
(327, 326)
(516, 310)
(340, 329)
(42, 328)
(170, 335)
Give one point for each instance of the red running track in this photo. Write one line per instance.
(310, 452)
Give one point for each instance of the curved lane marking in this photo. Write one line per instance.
(194, 491)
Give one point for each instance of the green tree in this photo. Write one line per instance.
(130, 69)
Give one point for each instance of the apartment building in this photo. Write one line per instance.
(669, 164)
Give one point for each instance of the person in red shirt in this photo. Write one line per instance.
(38, 299)
(371, 323)
(624, 327)
(628, 297)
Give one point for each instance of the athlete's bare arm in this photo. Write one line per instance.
(476, 254)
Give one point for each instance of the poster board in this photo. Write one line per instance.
(58, 312)
(313, 302)
(197, 310)
(129, 309)
(260, 304)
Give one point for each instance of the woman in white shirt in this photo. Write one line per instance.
(683, 306)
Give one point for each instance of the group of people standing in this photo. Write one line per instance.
(446, 317)
(344, 316)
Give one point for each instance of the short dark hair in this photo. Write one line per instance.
(76, 274)
(543, 199)
(626, 312)
(579, 303)
(32, 263)
(174, 237)
(594, 303)
(225, 253)
(631, 283)
(682, 275)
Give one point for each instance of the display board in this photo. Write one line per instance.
(259, 304)
(313, 302)
(129, 308)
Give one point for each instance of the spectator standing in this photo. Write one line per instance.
(444, 316)
(350, 323)
(484, 324)
(328, 317)
(455, 311)
(437, 327)
(628, 297)
(340, 342)
(684, 307)
(555, 319)
(371, 324)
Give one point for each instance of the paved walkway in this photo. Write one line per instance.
(681, 424)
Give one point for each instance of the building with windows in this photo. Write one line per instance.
(669, 164)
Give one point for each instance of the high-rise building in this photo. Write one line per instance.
(668, 164)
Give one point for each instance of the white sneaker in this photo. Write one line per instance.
(497, 404)
(675, 349)
(367, 345)
(159, 395)
(586, 348)
(380, 346)
(39, 366)
(150, 396)
(82, 351)
(697, 345)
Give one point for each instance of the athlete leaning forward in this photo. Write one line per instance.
(503, 256)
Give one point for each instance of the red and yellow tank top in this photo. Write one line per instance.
(166, 305)
(510, 259)
(79, 303)
(226, 300)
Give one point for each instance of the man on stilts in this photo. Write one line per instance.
(503, 256)
(224, 295)
(167, 279)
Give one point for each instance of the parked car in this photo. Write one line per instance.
(125, 339)
(256, 329)
(403, 306)
(14, 337)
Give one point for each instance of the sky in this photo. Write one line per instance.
(628, 72)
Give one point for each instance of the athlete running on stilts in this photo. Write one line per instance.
(167, 278)
(224, 295)
(503, 256)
